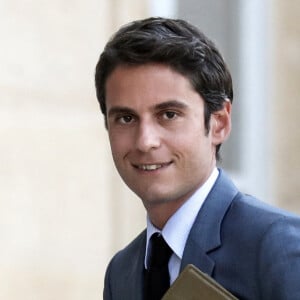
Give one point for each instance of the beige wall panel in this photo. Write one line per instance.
(63, 210)
(286, 103)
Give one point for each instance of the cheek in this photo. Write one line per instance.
(196, 147)
(190, 137)
(115, 143)
(119, 143)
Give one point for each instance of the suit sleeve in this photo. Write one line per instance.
(107, 289)
(279, 260)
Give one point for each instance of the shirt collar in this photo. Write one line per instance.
(178, 227)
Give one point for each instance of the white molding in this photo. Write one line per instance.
(253, 96)
(162, 8)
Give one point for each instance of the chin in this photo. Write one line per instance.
(157, 198)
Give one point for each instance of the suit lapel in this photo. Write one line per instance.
(205, 234)
(131, 285)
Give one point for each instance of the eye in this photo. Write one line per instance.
(169, 115)
(126, 119)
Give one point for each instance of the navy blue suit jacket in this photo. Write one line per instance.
(249, 247)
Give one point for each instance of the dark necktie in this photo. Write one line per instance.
(157, 278)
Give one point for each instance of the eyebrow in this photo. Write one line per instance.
(120, 110)
(161, 106)
(170, 104)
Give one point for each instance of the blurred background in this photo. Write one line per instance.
(63, 209)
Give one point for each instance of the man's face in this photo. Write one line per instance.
(156, 129)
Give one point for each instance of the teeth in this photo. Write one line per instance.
(150, 167)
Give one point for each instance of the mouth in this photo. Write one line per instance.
(151, 167)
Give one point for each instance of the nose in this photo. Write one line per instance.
(148, 137)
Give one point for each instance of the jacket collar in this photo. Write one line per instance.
(205, 235)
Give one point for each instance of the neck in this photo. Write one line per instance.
(159, 214)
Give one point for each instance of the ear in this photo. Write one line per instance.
(220, 124)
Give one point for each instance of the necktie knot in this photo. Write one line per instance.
(157, 279)
(160, 251)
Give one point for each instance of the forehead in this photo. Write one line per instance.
(147, 83)
(146, 71)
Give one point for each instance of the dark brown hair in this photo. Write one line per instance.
(175, 43)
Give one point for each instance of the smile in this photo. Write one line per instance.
(151, 167)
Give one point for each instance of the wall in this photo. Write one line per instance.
(58, 206)
(285, 103)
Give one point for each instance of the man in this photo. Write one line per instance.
(166, 96)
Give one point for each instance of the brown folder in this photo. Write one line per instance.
(192, 284)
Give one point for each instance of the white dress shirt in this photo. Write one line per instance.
(177, 229)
